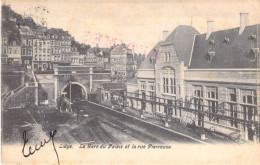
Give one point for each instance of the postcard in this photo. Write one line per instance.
(130, 82)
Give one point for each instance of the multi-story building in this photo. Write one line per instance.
(55, 40)
(90, 58)
(27, 37)
(215, 73)
(14, 53)
(42, 50)
(65, 47)
(4, 55)
(121, 60)
(76, 58)
(11, 49)
(223, 76)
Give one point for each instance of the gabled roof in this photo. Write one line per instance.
(147, 63)
(182, 39)
(231, 49)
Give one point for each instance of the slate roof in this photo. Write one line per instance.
(182, 39)
(233, 52)
(147, 64)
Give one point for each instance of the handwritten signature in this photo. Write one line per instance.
(36, 148)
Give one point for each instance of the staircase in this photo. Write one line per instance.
(22, 95)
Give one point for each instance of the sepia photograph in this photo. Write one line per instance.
(130, 82)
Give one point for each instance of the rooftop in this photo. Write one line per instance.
(227, 49)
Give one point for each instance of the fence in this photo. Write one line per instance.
(186, 111)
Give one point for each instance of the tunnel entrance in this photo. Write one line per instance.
(77, 92)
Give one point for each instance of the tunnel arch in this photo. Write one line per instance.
(76, 83)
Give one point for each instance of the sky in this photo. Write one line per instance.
(138, 23)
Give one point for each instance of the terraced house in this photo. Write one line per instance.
(41, 50)
(27, 37)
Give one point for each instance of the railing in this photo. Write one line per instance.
(44, 72)
(18, 90)
(216, 117)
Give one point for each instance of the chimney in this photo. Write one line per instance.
(165, 34)
(243, 22)
(210, 29)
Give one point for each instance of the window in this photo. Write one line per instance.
(40, 44)
(212, 95)
(48, 50)
(40, 57)
(231, 95)
(5, 40)
(249, 109)
(24, 52)
(151, 86)
(249, 97)
(210, 56)
(143, 85)
(36, 57)
(169, 85)
(253, 53)
(167, 57)
(106, 96)
(52, 43)
(35, 44)
(9, 50)
(44, 50)
(5, 51)
(15, 51)
(231, 106)
(197, 101)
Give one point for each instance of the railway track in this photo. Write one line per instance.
(99, 134)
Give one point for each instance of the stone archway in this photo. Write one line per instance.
(78, 84)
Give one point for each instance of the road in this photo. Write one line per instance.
(99, 125)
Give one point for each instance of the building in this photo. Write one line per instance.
(215, 73)
(42, 50)
(121, 60)
(223, 74)
(4, 45)
(27, 37)
(161, 73)
(55, 40)
(65, 47)
(90, 59)
(14, 53)
(76, 58)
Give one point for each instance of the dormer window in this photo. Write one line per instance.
(211, 42)
(253, 53)
(226, 40)
(253, 37)
(210, 55)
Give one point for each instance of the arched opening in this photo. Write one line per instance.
(74, 91)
